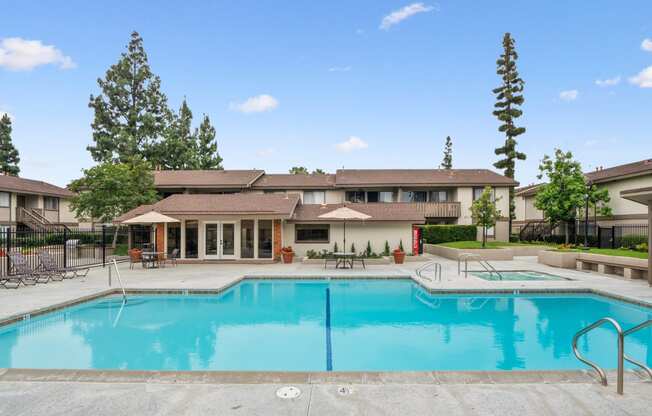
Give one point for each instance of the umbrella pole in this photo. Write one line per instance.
(344, 249)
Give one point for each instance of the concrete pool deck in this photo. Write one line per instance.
(404, 393)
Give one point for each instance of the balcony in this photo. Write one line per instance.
(438, 209)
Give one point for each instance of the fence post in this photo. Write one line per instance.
(613, 236)
(8, 250)
(103, 245)
(65, 247)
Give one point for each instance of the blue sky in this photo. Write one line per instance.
(331, 85)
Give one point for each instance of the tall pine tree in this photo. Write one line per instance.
(447, 163)
(206, 155)
(8, 154)
(177, 149)
(131, 113)
(509, 99)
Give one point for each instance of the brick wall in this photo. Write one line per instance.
(278, 243)
(160, 237)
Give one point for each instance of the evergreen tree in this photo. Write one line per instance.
(206, 155)
(8, 154)
(131, 113)
(509, 98)
(318, 172)
(447, 163)
(178, 148)
(299, 170)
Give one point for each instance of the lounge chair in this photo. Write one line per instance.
(10, 282)
(25, 274)
(57, 272)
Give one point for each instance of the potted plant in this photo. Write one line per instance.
(399, 254)
(288, 254)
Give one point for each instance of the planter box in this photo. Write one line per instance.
(454, 253)
(528, 250)
(561, 259)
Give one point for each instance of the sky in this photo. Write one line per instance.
(354, 84)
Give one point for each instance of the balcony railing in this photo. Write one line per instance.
(438, 209)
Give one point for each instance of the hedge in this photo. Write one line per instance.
(435, 234)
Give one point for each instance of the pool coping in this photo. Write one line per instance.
(313, 377)
(213, 291)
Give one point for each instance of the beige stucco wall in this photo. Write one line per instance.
(358, 233)
(621, 206)
(66, 215)
(525, 209)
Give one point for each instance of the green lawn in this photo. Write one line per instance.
(617, 252)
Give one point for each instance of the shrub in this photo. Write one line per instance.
(352, 247)
(435, 234)
(335, 248)
(631, 241)
(642, 247)
(368, 251)
(386, 250)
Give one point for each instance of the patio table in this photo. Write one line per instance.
(343, 260)
(152, 259)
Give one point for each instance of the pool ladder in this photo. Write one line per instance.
(488, 267)
(436, 267)
(117, 272)
(622, 357)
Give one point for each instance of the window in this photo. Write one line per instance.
(174, 237)
(439, 196)
(477, 192)
(354, 196)
(314, 197)
(265, 239)
(5, 199)
(192, 237)
(415, 196)
(372, 196)
(141, 236)
(311, 233)
(51, 203)
(385, 196)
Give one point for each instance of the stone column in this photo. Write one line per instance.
(277, 240)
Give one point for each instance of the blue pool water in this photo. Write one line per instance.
(318, 325)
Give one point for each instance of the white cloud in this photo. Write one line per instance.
(265, 152)
(570, 95)
(591, 143)
(339, 69)
(257, 104)
(18, 54)
(643, 79)
(353, 143)
(397, 16)
(609, 82)
(646, 45)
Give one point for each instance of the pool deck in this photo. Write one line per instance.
(402, 393)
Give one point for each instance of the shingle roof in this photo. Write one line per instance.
(396, 211)
(528, 190)
(289, 181)
(420, 177)
(229, 204)
(30, 186)
(617, 172)
(206, 178)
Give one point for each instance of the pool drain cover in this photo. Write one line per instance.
(288, 392)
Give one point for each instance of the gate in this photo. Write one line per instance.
(605, 237)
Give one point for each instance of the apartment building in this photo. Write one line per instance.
(249, 214)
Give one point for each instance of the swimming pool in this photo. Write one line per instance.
(517, 275)
(319, 325)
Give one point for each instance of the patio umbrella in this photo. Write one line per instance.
(345, 214)
(151, 218)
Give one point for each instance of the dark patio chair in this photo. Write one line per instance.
(26, 274)
(57, 272)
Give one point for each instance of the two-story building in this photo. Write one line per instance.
(31, 204)
(248, 214)
(615, 179)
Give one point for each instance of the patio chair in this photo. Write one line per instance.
(57, 272)
(25, 274)
(330, 257)
(134, 257)
(172, 258)
(359, 259)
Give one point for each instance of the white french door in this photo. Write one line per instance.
(219, 239)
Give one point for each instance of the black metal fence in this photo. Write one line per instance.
(617, 236)
(69, 247)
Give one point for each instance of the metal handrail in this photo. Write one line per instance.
(115, 265)
(483, 262)
(436, 269)
(638, 327)
(621, 351)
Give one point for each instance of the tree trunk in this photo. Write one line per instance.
(566, 231)
(484, 236)
(115, 238)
